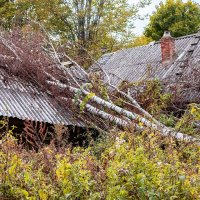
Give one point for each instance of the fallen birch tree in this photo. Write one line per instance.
(44, 67)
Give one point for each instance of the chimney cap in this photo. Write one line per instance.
(167, 34)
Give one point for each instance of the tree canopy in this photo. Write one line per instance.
(90, 25)
(138, 41)
(176, 16)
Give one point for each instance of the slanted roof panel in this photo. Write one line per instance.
(139, 63)
(25, 101)
(145, 62)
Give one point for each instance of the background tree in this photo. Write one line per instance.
(7, 11)
(176, 16)
(138, 41)
(87, 25)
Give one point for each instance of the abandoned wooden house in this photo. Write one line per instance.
(38, 90)
(173, 61)
(35, 111)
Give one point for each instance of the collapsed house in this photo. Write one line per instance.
(34, 111)
(31, 94)
(36, 86)
(173, 61)
(25, 101)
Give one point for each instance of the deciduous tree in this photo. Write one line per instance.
(87, 24)
(176, 16)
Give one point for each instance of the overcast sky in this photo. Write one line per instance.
(148, 10)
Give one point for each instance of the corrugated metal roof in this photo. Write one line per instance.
(145, 62)
(25, 101)
(135, 63)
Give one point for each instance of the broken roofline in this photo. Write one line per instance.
(121, 113)
(25, 101)
(145, 62)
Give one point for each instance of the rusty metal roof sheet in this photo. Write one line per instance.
(25, 101)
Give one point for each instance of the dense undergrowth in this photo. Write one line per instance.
(124, 165)
(188, 123)
(117, 166)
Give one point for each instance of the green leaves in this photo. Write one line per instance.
(176, 16)
(85, 100)
(188, 123)
(86, 25)
(134, 166)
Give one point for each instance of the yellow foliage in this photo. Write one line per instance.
(43, 195)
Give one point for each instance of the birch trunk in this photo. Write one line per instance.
(104, 115)
(165, 131)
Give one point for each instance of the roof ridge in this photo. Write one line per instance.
(186, 36)
(155, 42)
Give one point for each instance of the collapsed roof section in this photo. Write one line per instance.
(145, 63)
(23, 100)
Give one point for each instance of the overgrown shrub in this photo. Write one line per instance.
(190, 121)
(133, 166)
(150, 94)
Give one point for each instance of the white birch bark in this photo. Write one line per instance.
(104, 115)
(165, 131)
(132, 116)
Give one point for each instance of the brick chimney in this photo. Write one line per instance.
(167, 43)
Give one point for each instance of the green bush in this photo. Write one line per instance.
(190, 121)
(133, 166)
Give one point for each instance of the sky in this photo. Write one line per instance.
(140, 24)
